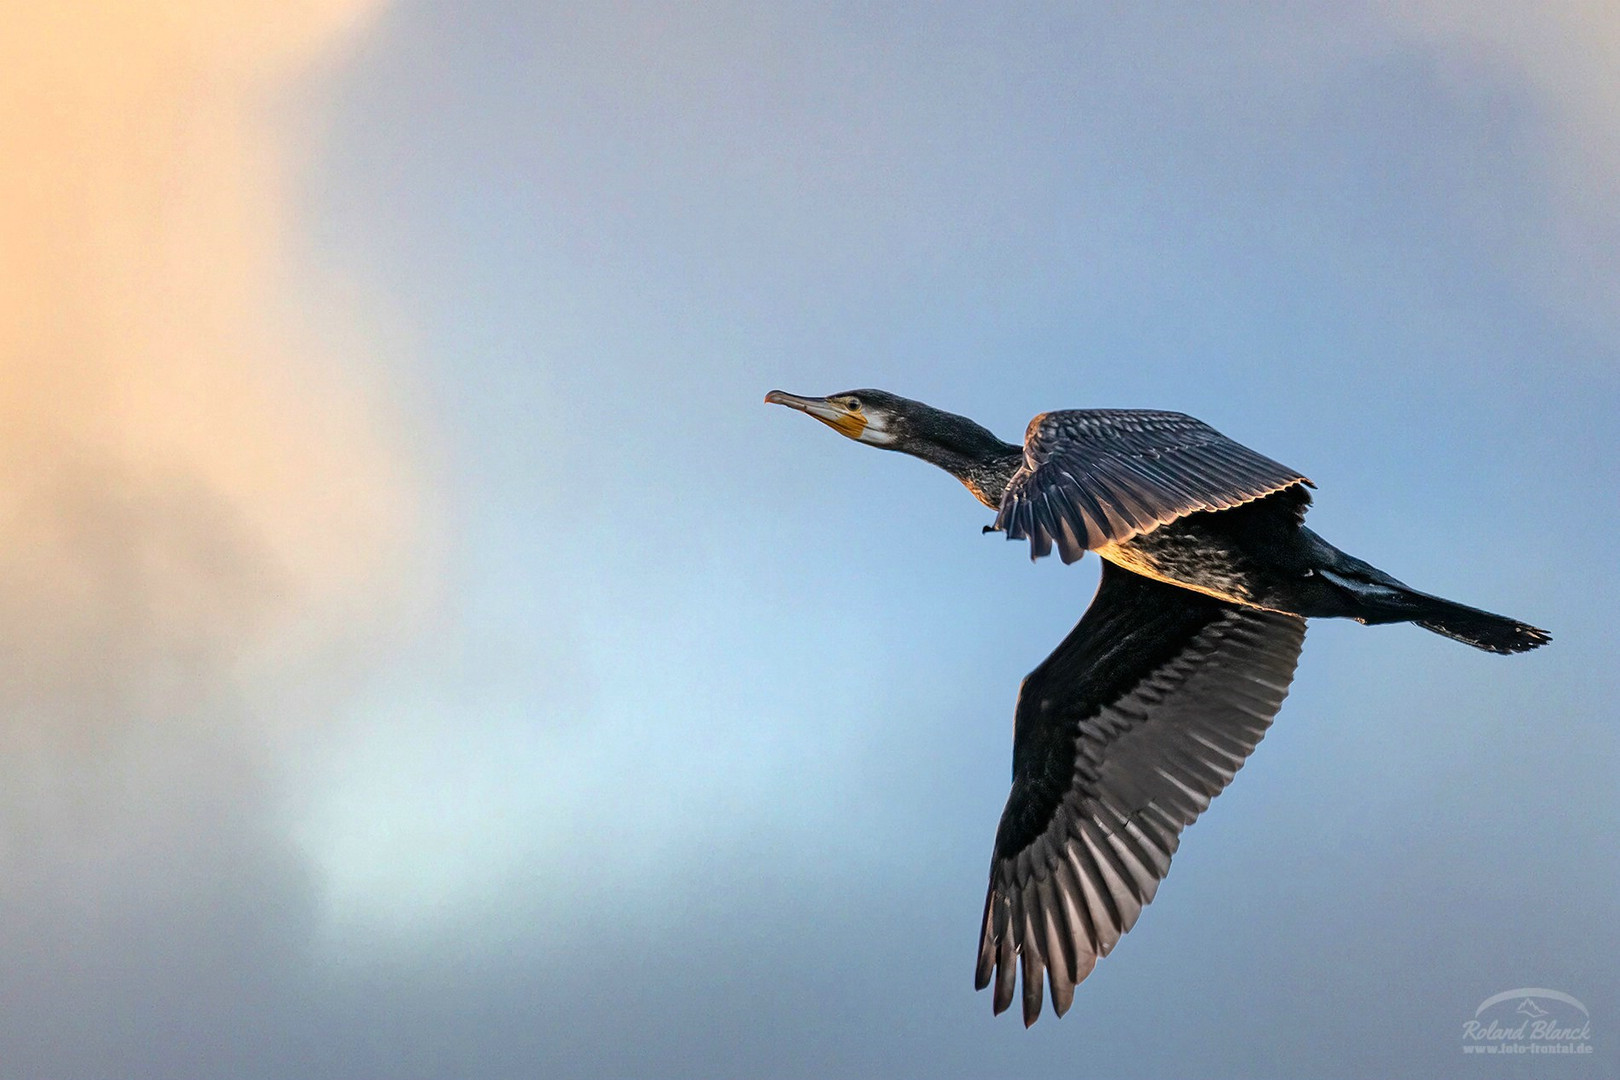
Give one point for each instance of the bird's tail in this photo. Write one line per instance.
(1481, 629)
(1384, 600)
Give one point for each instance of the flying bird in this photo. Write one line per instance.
(1149, 707)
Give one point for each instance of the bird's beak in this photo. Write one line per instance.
(830, 413)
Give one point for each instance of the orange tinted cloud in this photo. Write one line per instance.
(180, 465)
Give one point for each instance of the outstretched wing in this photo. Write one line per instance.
(1122, 737)
(1093, 477)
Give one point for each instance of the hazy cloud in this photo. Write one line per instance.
(189, 484)
(1567, 58)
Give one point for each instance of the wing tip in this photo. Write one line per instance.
(1062, 998)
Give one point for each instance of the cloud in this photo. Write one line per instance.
(189, 484)
(1568, 58)
(143, 361)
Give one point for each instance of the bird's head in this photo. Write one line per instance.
(956, 444)
(874, 417)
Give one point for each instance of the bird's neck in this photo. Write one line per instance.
(973, 455)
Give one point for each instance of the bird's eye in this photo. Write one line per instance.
(853, 404)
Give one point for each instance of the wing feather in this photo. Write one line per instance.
(1111, 474)
(1122, 737)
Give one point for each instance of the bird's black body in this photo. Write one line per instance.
(1256, 552)
(1151, 705)
(1261, 555)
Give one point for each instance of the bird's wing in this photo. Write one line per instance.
(1092, 477)
(1122, 737)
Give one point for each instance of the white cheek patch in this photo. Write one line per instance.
(876, 435)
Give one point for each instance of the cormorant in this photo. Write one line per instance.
(1152, 703)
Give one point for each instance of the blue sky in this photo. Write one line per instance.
(671, 737)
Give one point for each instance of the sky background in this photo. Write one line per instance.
(423, 655)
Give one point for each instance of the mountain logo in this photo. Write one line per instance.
(1529, 1007)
